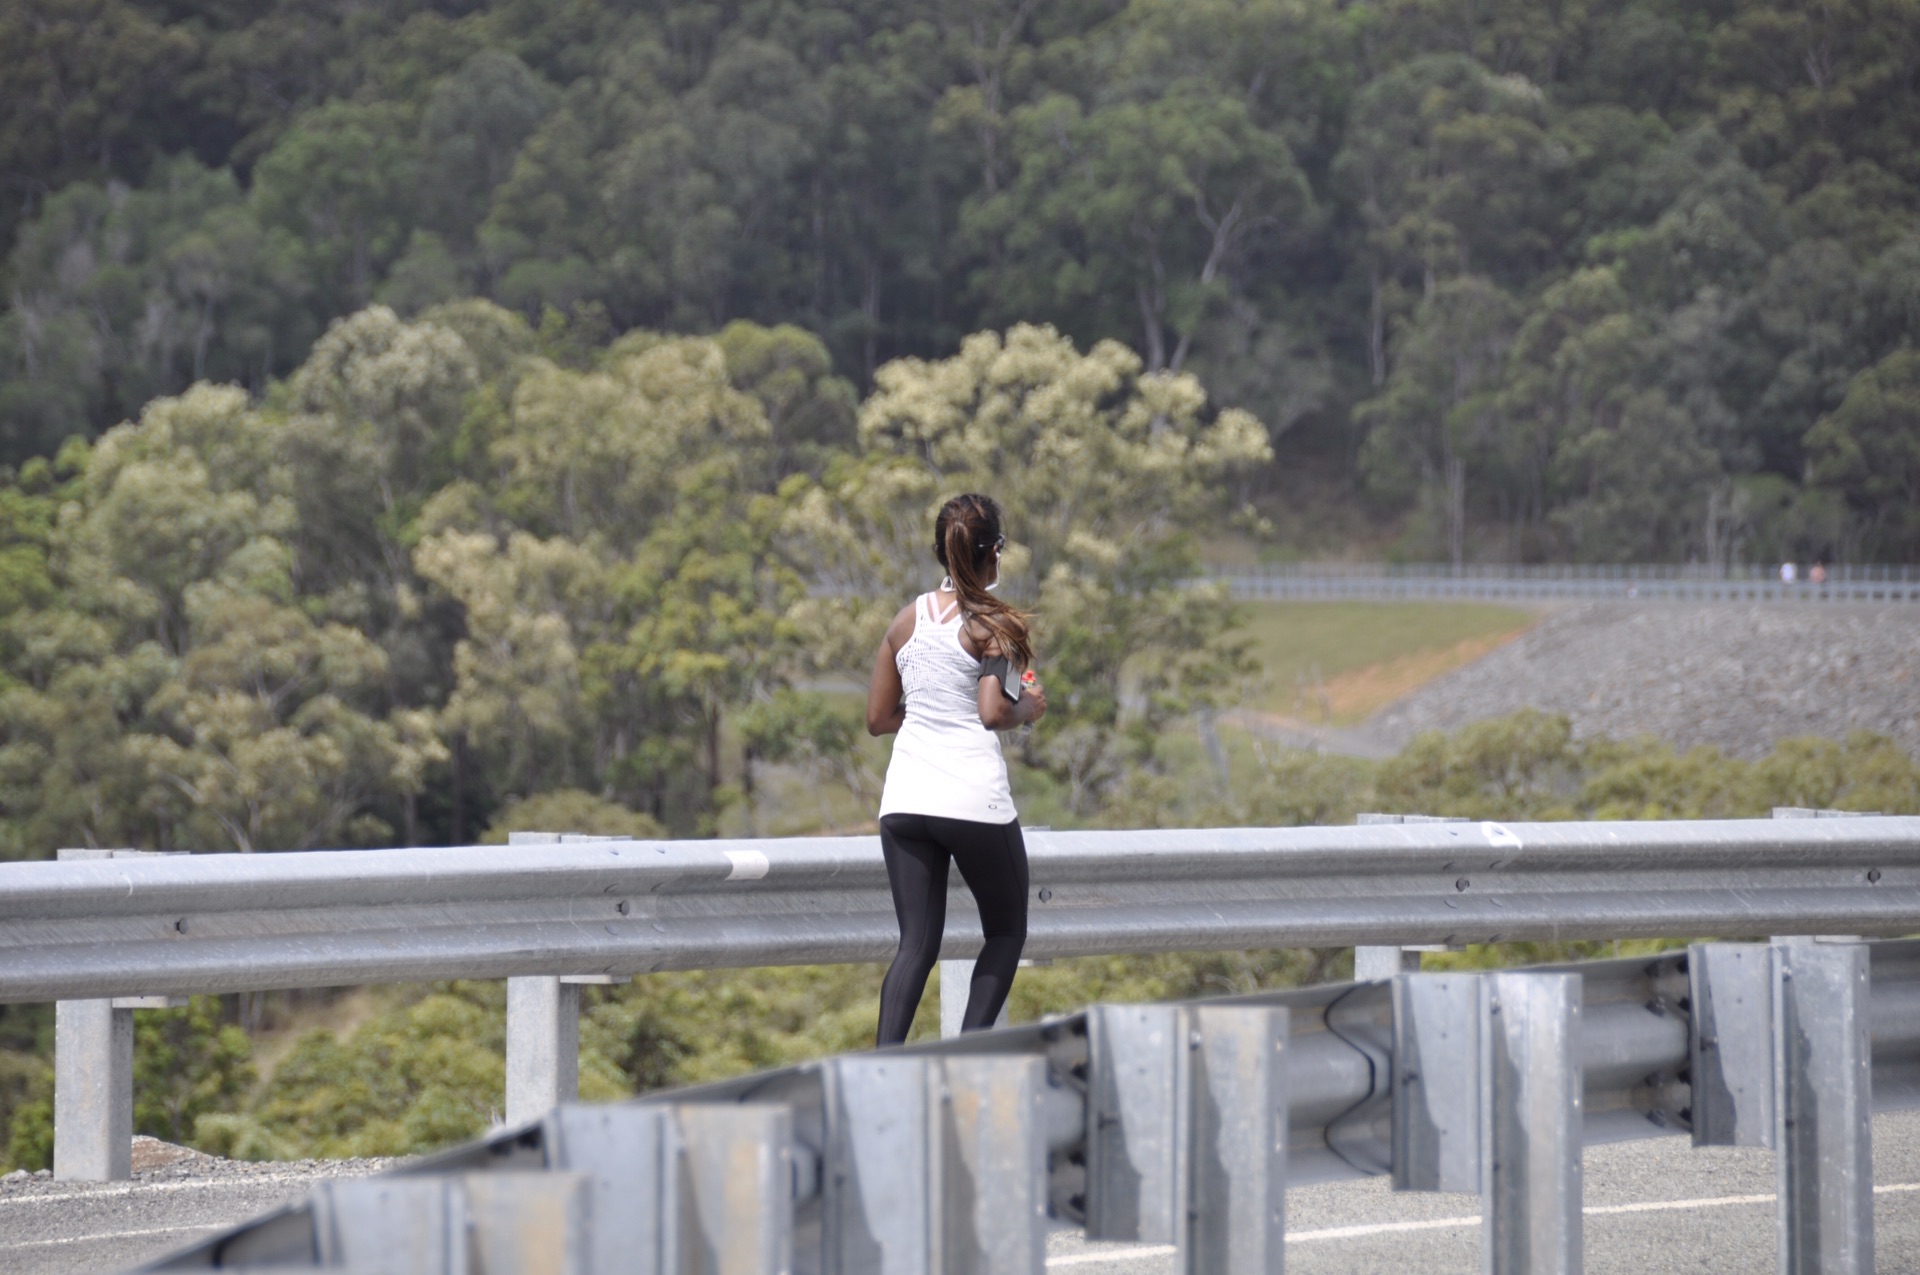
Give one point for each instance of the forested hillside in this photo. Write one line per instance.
(1601, 279)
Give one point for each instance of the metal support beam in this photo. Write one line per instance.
(878, 1207)
(734, 1214)
(1136, 1085)
(92, 1092)
(531, 1223)
(543, 1021)
(956, 984)
(1823, 1067)
(1730, 988)
(543, 1046)
(1375, 963)
(1530, 1100)
(1371, 964)
(1436, 1122)
(623, 1150)
(93, 1072)
(392, 1226)
(991, 1167)
(1236, 1187)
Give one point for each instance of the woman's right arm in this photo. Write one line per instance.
(997, 712)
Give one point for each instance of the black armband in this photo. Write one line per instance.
(1001, 667)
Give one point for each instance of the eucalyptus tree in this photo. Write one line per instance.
(1108, 473)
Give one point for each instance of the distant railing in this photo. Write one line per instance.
(1689, 582)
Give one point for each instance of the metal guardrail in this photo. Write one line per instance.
(1182, 1125)
(107, 935)
(228, 922)
(1860, 584)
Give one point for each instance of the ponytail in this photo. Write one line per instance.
(966, 538)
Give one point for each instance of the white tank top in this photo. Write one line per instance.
(944, 761)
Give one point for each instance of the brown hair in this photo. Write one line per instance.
(966, 536)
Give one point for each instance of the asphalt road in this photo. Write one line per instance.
(1652, 1207)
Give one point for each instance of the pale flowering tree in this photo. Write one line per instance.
(1108, 476)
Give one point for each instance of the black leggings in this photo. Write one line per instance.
(993, 862)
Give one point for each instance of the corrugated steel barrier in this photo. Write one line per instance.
(1181, 1125)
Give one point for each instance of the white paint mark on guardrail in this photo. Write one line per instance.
(748, 865)
(1500, 836)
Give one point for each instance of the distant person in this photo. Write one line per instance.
(948, 675)
(1819, 573)
(1786, 573)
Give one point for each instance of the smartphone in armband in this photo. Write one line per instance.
(1002, 668)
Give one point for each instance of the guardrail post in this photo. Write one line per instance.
(877, 1217)
(543, 1046)
(1436, 1122)
(92, 1092)
(532, 1223)
(543, 1023)
(1823, 1068)
(735, 1183)
(1236, 1187)
(956, 982)
(1730, 987)
(93, 1071)
(391, 1226)
(991, 1168)
(1530, 1099)
(1373, 963)
(623, 1150)
(1136, 1097)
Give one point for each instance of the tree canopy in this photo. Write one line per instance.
(1557, 283)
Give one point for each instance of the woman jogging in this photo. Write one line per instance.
(942, 678)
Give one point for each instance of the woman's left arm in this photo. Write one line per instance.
(886, 698)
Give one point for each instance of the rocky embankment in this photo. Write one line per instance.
(1734, 676)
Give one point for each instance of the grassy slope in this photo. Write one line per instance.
(1342, 661)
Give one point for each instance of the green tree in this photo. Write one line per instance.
(1107, 473)
(1868, 450)
(179, 693)
(339, 181)
(1437, 413)
(1443, 160)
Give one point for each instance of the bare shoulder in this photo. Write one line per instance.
(982, 642)
(902, 627)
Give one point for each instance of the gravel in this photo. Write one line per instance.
(1735, 676)
(57, 1228)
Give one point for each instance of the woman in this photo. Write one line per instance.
(939, 679)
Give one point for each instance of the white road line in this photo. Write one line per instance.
(1119, 1255)
(191, 1229)
(1447, 1223)
(110, 1191)
(1074, 1259)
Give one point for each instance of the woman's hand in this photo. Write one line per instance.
(997, 712)
(1033, 702)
